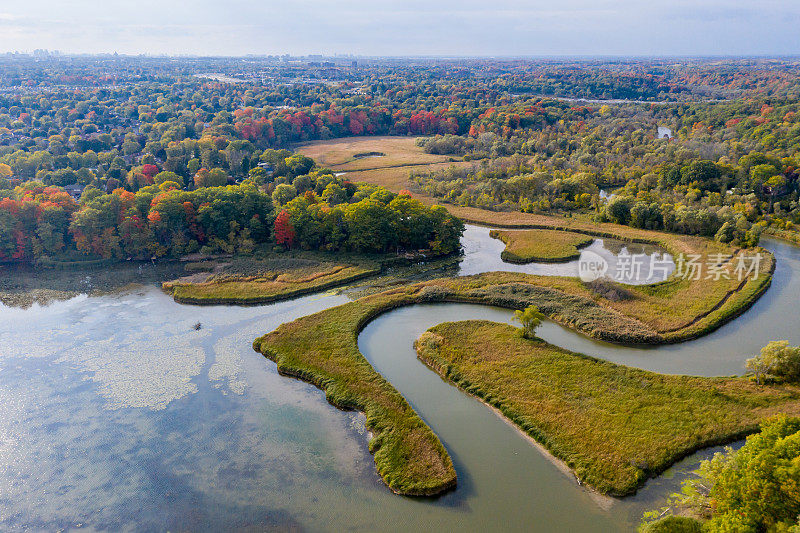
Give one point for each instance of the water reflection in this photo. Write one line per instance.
(652, 264)
(117, 414)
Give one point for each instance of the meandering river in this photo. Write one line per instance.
(117, 414)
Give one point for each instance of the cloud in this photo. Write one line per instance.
(407, 27)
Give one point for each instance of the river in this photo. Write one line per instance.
(118, 415)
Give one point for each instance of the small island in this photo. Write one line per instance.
(541, 246)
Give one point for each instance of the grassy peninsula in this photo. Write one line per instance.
(247, 281)
(323, 349)
(614, 426)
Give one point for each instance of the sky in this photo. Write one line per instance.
(402, 28)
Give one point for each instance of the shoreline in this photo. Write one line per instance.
(603, 501)
(447, 368)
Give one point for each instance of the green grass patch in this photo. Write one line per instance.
(543, 246)
(614, 426)
(247, 281)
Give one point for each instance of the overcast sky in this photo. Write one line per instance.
(409, 27)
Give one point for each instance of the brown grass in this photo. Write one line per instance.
(339, 154)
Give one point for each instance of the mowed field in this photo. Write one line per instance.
(400, 156)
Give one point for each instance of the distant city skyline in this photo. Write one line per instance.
(413, 27)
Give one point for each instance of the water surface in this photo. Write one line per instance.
(118, 414)
(482, 254)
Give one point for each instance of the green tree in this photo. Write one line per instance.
(753, 489)
(619, 210)
(371, 226)
(283, 194)
(530, 319)
(777, 360)
(161, 177)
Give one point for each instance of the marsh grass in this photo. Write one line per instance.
(678, 308)
(323, 349)
(253, 281)
(543, 246)
(614, 426)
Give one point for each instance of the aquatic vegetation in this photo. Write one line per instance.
(614, 426)
(155, 380)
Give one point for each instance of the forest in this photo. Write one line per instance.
(729, 171)
(310, 211)
(143, 157)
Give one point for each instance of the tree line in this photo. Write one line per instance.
(313, 210)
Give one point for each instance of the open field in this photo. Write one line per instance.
(391, 170)
(396, 178)
(323, 349)
(251, 281)
(361, 153)
(614, 426)
(544, 246)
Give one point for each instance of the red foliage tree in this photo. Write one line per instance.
(149, 170)
(284, 231)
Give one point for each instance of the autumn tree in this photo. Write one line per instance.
(284, 231)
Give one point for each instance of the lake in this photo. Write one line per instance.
(119, 415)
